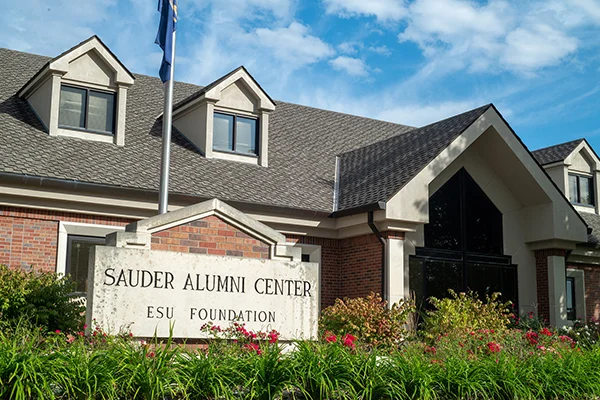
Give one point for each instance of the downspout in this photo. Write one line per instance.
(383, 242)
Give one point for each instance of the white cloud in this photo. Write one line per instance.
(536, 47)
(383, 10)
(496, 36)
(293, 45)
(352, 66)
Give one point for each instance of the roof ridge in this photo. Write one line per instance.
(560, 144)
(486, 106)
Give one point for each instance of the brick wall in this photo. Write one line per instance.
(210, 235)
(541, 274)
(349, 267)
(29, 237)
(591, 279)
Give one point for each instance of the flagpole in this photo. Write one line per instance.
(163, 200)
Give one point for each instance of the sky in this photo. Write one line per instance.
(410, 62)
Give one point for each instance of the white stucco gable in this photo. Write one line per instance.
(549, 215)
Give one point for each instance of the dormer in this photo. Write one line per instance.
(228, 119)
(575, 168)
(82, 93)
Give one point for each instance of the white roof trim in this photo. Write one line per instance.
(587, 150)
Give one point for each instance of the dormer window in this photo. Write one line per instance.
(235, 133)
(86, 109)
(581, 190)
(82, 94)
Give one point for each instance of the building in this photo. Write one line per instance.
(382, 207)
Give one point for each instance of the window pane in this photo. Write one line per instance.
(573, 189)
(443, 229)
(100, 114)
(223, 132)
(484, 279)
(72, 107)
(585, 190)
(570, 292)
(245, 135)
(78, 259)
(483, 220)
(441, 276)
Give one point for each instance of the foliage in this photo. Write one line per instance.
(472, 365)
(465, 312)
(368, 318)
(584, 333)
(40, 297)
(527, 322)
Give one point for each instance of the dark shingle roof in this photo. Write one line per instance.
(303, 144)
(376, 172)
(559, 152)
(593, 222)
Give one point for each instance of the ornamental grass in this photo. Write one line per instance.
(479, 360)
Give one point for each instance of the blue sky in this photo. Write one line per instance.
(412, 62)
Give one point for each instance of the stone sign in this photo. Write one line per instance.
(149, 291)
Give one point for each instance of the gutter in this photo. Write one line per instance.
(384, 266)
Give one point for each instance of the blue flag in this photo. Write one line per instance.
(164, 37)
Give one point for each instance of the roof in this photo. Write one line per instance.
(593, 222)
(559, 152)
(376, 172)
(301, 170)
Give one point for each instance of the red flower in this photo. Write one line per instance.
(348, 340)
(532, 337)
(330, 337)
(273, 336)
(150, 354)
(57, 331)
(546, 332)
(430, 350)
(493, 347)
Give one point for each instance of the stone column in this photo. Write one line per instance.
(551, 285)
(395, 266)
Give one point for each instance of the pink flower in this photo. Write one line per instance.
(273, 336)
(57, 331)
(150, 354)
(70, 338)
(253, 347)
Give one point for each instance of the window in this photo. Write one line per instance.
(571, 305)
(234, 133)
(78, 254)
(581, 190)
(86, 109)
(463, 245)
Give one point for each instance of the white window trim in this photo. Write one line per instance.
(579, 276)
(77, 228)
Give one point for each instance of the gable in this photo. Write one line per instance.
(581, 162)
(238, 96)
(91, 68)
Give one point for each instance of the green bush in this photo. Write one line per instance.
(369, 319)
(43, 298)
(465, 312)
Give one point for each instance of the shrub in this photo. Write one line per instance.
(465, 312)
(42, 298)
(369, 319)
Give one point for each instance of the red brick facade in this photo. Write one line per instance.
(350, 267)
(541, 273)
(29, 238)
(591, 279)
(210, 235)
